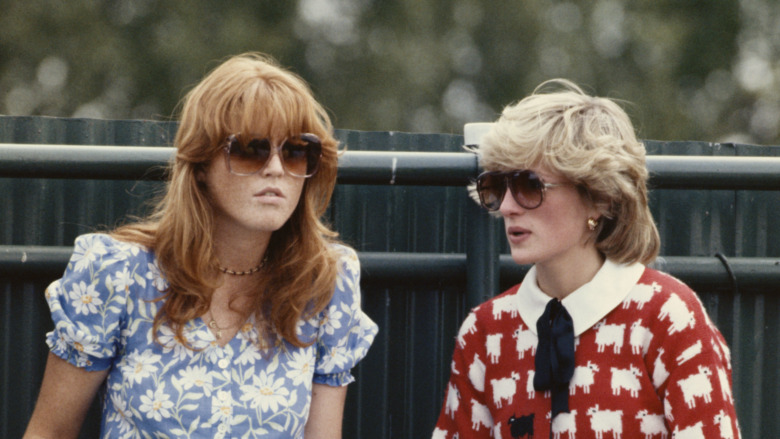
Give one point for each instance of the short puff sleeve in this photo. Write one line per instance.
(345, 333)
(89, 303)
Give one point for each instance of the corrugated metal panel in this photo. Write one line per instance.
(52, 212)
(400, 384)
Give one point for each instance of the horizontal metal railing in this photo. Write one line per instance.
(28, 261)
(398, 168)
(373, 167)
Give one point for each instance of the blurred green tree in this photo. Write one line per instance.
(690, 69)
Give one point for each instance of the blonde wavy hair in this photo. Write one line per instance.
(246, 93)
(590, 142)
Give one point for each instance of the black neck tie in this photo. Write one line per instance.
(555, 355)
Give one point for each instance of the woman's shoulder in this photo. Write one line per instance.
(97, 255)
(667, 300)
(348, 262)
(507, 300)
(498, 314)
(661, 286)
(103, 243)
(343, 250)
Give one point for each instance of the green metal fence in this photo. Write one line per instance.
(428, 253)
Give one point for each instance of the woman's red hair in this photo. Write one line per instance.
(246, 93)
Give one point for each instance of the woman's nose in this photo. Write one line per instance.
(274, 165)
(509, 206)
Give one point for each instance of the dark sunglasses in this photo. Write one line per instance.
(300, 156)
(526, 187)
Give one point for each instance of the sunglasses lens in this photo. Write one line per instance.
(526, 187)
(250, 157)
(301, 155)
(491, 189)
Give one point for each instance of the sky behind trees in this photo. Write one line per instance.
(687, 69)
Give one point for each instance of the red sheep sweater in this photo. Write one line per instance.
(648, 363)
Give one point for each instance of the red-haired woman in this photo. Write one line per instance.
(232, 310)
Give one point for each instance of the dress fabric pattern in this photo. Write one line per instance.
(103, 309)
(653, 366)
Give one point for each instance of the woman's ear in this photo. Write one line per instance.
(200, 174)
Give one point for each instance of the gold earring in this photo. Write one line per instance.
(592, 223)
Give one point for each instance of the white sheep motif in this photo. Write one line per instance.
(724, 422)
(480, 415)
(606, 420)
(506, 304)
(716, 348)
(652, 425)
(660, 373)
(641, 294)
(504, 389)
(583, 377)
(695, 431)
(526, 340)
(493, 346)
(529, 385)
(626, 379)
(497, 431)
(564, 423)
(640, 338)
(469, 326)
(477, 373)
(610, 334)
(679, 315)
(697, 385)
(453, 401)
(690, 352)
(725, 386)
(438, 433)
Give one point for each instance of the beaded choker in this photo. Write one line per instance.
(242, 273)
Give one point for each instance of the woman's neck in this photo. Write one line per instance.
(238, 252)
(560, 278)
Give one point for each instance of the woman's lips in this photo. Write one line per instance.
(270, 192)
(517, 234)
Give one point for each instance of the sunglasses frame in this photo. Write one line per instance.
(507, 177)
(307, 137)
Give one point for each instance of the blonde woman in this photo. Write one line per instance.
(232, 311)
(592, 342)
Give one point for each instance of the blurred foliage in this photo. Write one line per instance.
(687, 69)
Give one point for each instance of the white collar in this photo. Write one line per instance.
(587, 304)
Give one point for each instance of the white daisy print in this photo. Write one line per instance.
(301, 366)
(196, 376)
(265, 392)
(172, 342)
(250, 355)
(334, 356)
(123, 280)
(122, 416)
(86, 252)
(156, 404)
(331, 320)
(140, 365)
(221, 409)
(84, 298)
(81, 341)
(156, 277)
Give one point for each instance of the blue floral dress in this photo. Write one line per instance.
(103, 309)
